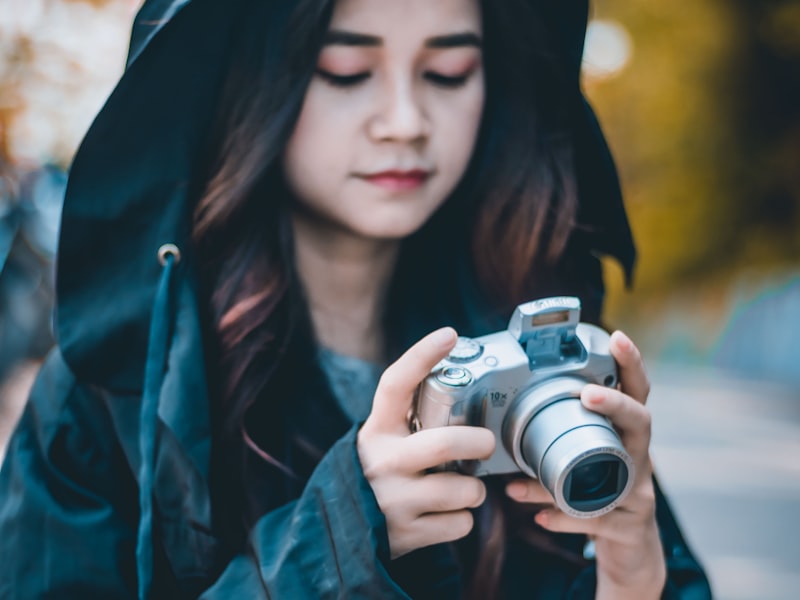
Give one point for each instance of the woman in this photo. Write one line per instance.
(230, 420)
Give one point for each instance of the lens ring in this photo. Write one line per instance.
(559, 485)
(535, 436)
(527, 406)
(595, 482)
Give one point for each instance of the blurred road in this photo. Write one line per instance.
(727, 453)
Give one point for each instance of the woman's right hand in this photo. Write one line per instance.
(420, 508)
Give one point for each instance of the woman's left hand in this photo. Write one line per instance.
(630, 560)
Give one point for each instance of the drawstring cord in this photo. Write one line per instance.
(155, 367)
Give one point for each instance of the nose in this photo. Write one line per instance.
(401, 116)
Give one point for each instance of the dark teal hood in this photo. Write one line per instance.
(130, 191)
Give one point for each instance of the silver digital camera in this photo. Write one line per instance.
(524, 384)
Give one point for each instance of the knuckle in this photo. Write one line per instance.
(646, 512)
(441, 453)
(371, 472)
(646, 497)
(486, 442)
(389, 383)
(442, 503)
(477, 493)
(649, 500)
(462, 524)
(441, 446)
(647, 422)
(395, 508)
(642, 504)
(438, 504)
(380, 466)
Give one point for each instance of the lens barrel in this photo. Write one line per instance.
(575, 452)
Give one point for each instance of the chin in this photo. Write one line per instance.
(391, 228)
(389, 234)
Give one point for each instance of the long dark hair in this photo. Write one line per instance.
(509, 222)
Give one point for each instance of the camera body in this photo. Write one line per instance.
(524, 384)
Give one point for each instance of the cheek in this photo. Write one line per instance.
(315, 146)
(459, 126)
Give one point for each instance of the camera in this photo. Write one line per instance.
(524, 384)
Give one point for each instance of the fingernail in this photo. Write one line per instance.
(444, 336)
(542, 518)
(596, 395)
(516, 490)
(624, 342)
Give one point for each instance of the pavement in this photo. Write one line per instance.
(727, 452)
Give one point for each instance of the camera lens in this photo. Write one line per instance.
(575, 452)
(589, 479)
(595, 482)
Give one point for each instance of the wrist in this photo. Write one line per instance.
(644, 584)
(638, 572)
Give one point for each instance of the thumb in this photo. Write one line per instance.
(396, 388)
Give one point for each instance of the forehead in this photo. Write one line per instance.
(386, 18)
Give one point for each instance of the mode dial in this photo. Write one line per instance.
(466, 350)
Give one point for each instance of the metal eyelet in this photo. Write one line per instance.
(165, 251)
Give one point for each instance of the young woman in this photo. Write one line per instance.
(270, 233)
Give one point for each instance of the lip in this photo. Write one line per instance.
(397, 180)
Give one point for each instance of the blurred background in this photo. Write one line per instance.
(701, 105)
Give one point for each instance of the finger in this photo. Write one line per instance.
(447, 492)
(396, 388)
(628, 416)
(553, 519)
(437, 528)
(529, 490)
(632, 372)
(439, 445)
(619, 525)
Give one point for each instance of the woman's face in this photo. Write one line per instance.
(390, 118)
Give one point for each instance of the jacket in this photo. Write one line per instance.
(106, 488)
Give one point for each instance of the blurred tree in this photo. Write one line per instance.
(705, 125)
(767, 111)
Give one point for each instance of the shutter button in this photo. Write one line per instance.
(454, 376)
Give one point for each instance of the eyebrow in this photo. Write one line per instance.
(336, 37)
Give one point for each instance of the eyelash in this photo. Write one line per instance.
(446, 81)
(350, 81)
(343, 81)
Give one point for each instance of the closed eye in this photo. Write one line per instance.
(447, 81)
(343, 81)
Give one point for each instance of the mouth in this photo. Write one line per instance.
(398, 181)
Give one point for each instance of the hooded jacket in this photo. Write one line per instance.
(105, 491)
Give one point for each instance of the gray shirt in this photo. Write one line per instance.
(353, 382)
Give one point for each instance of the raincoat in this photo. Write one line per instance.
(105, 491)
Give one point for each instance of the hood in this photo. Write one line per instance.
(129, 185)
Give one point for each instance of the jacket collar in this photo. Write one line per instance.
(150, 19)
